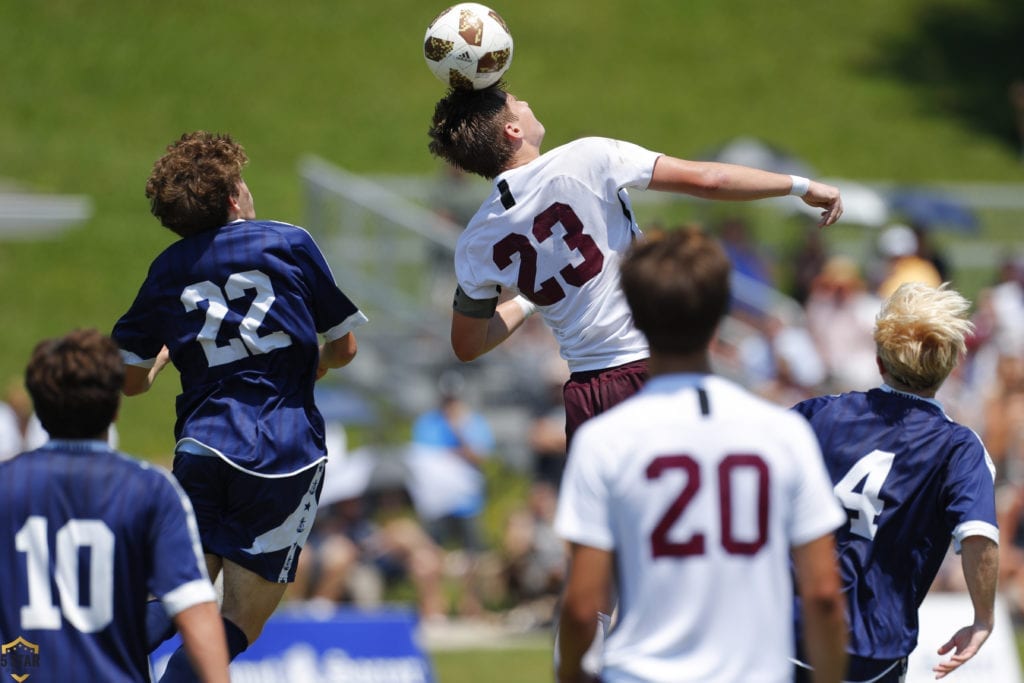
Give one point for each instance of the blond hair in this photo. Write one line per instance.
(920, 334)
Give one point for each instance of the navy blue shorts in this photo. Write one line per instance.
(861, 669)
(259, 523)
(595, 391)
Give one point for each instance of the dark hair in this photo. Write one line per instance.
(677, 286)
(75, 383)
(468, 130)
(190, 185)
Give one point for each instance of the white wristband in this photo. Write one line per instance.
(528, 306)
(800, 186)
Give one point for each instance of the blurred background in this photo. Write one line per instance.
(915, 108)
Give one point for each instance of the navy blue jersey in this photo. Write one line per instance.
(87, 534)
(240, 309)
(911, 480)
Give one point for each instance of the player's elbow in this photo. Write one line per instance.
(579, 614)
(465, 351)
(339, 352)
(133, 390)
(136, 381)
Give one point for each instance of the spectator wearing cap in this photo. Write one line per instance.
(899, 246)
(841, 319)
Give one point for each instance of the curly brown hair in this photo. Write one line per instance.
(468, 130)
(191, 184)
(75, 383)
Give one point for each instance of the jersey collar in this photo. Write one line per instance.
(83, 445)
(889, 389)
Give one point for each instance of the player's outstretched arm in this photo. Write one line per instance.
(587, 592)
(714, 180)
(824, 615)
(202, 634)
(980, 559)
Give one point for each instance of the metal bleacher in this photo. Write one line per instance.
(393, 256)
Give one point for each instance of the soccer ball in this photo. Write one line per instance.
(468, 46)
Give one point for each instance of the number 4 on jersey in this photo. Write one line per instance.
(860, 491)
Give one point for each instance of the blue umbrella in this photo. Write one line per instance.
(931, 209)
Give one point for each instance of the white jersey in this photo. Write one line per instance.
(700, 489)
(555, 230)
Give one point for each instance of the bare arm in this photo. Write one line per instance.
(138, 380)
(823, 605)
(202, 634)
(713, 180)
(587, 592)
(336, 354)
(980, 559)
(473, 337)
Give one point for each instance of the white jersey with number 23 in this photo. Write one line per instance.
(555, 230)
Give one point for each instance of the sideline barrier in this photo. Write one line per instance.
(329, 646)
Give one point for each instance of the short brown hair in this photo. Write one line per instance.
(468, 130)
(75, 383)
(190, 185)
(677, 286)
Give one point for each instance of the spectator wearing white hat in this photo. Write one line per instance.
(898, 245)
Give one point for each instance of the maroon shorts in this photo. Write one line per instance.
(595, 391)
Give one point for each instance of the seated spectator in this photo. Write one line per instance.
(363, 540)
(534, 556)
(446, 483)
(841, 319)
(782, 362)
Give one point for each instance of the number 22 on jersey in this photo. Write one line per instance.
(249, 341)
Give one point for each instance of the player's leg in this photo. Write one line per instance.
(264, 523)
(249, 599)
(201, 478)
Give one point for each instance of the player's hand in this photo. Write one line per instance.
(825, 197)
(967, 641)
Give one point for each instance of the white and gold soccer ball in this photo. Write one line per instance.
(468, 46)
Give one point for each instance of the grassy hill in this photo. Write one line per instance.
(903, 90)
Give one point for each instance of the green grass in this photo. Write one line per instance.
(93, 91)
(506, 665)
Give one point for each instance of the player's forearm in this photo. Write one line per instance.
(712, 180)
(575, 634)
(980, 559)
(202, 634)
(825, 634)
(471, 339)
(824, 608)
